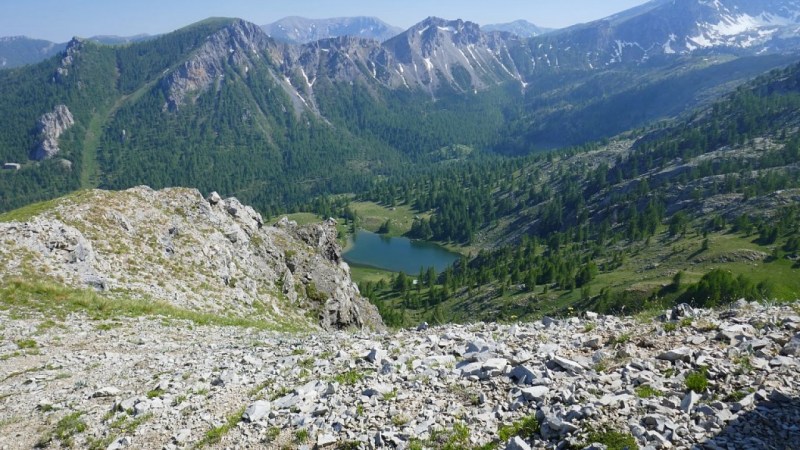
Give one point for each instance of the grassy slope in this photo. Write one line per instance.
(649, 268)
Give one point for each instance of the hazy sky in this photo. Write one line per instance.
(59, 20)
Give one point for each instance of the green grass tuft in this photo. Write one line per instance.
(697, 381)
(349, 378)
(613, 440)
(215, 435)
(645, 391)
(524, 428)
(26, 344)
(65, 429)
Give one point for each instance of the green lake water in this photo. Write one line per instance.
(396, 253)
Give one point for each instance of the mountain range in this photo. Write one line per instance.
(221, 105)
(521, 28)
(18, 51)
(300, 30)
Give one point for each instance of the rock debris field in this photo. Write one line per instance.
(726, 379)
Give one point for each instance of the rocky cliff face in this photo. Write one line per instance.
(51, 126)
(175, 246)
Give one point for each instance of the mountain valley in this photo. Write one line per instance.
(621, 199)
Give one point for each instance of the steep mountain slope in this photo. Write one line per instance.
(300, 30)
(521, 28)
(666, 27)
(174, 247)
(438, 53)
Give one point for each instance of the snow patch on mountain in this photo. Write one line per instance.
(742, 30)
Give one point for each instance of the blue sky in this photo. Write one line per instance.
(59, 20)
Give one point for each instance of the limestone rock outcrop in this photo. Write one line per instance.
(214, 255)
(51, 126)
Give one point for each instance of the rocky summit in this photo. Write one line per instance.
(688, 379)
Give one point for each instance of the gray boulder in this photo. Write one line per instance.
(792, 348)
(517, 443)
(257, 411)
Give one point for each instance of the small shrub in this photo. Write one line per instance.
(301, 436)
(313, 294)
(621, 339)
(745, 364)
(735, 396)
(306, 363)
(400, 420)
(415, 444)
(282, 392)
(273, 433)
(455, 439)
(670, 327)
(697, 381)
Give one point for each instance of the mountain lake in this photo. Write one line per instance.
(396, 253)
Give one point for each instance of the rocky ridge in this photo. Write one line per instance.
(521, 28)
(214, 255)
(300, 30)
(690, 379)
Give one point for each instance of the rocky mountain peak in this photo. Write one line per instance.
(240, 44)
(71, 52)
(433, 32)
(451, 54)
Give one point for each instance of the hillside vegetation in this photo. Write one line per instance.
(703, 210)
